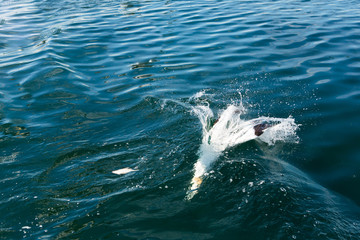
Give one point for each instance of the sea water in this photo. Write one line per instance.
(108, 111)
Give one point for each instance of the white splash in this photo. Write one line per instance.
(230, 130)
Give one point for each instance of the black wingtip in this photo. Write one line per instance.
(259, 128)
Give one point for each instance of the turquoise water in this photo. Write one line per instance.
(90, 87)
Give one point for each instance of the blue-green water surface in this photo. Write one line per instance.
(88, 87)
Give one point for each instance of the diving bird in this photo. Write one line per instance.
(227, 131)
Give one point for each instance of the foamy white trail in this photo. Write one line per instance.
(231, 130)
